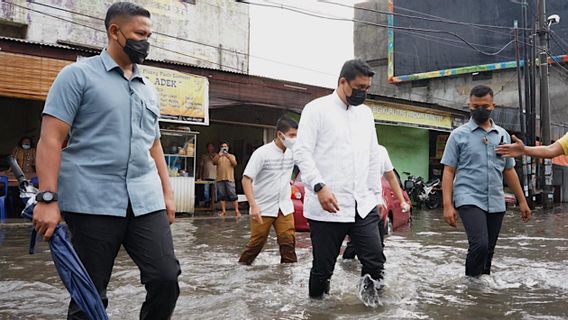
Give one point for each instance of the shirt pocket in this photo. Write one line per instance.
(149, 118)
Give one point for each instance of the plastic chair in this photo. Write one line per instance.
(3, 196)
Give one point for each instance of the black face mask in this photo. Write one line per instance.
(136, 50)
(480, 114)
(357, 97)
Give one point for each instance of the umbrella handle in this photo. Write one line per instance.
(33, 241)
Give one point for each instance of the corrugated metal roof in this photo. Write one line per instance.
(52, 45)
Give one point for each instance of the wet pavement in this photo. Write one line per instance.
(425, 275)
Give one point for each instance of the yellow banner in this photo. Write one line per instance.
(183, 97)
(395, 113)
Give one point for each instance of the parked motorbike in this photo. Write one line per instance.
(423, 193)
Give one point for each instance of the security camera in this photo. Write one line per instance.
(553, 19)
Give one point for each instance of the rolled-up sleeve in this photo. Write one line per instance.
(451, 152)
(65, 95)
(305, 146)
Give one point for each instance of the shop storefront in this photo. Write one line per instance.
(414, 136)
(184, 105)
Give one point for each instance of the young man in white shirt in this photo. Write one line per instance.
(266, 182)
(338, 154)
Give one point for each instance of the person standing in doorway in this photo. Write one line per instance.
(266, 182)
(208, 171)
(338, 153)
(226, 188)
(472, 181)
(111, 181)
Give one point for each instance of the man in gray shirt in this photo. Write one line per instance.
(112, 176)
(477, 191)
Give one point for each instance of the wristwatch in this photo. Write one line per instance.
(318, 187)
(46, 197)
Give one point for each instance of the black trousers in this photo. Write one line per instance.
(350, 253)
(148, 241)
(482, 230)
(327, 238)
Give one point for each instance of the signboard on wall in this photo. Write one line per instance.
(184, 98)
(399, 114)
(487, 25)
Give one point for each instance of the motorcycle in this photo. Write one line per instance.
(427, 193)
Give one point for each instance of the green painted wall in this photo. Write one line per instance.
(408, 148)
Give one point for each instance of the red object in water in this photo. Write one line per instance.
(391, 209)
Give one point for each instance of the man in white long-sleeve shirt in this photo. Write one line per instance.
(338, 153)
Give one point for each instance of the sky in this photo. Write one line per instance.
(302, 48)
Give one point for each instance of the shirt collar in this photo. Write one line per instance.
(338, 101)
(472, 125)
(110, 64)
(273, 143)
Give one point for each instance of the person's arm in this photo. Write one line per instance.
(518, 149)
(233, 160)
(255, 213)
(157, 154)
(216, 159)
(53, 132)
(200, 169)
(61, 106)
(512, 180)
(303, 154)
(393, 181)
(450, 213)
(450, 160)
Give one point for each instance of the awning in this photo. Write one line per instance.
(27, 77)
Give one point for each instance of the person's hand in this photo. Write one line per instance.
(513, 150)
(170, 207)
(405, 206)
(327, 200)
(451, 216)
(526, 213)
(46, 217)
(255, 214)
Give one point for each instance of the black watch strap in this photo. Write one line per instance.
(46, 197)
(318, 187)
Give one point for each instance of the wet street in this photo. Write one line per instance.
(425, 275)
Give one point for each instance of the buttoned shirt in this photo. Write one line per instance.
(337, 145)
(270, 169)
(479, 170)
(114, 123)
(564, 143)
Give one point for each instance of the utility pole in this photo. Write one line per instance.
(543, 31)
(527, 161)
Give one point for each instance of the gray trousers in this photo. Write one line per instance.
(482, 230)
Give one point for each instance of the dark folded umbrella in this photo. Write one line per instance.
(71, 271)
(75, 276)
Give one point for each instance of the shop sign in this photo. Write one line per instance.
(184, 98)
(399, 114)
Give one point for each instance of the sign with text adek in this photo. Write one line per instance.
(184, 98)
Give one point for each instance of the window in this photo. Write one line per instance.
(13, 29)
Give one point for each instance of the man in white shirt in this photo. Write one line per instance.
(338, 154)
(266, 182)
(386, 170)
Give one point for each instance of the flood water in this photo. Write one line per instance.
(424, 276)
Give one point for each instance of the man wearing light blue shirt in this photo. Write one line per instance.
(473, 181)
(112, 177)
